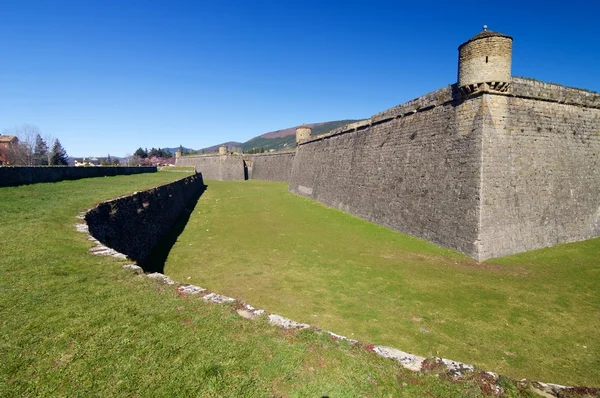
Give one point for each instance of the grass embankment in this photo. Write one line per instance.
(73, 324)
(534, 315)
(187, 169)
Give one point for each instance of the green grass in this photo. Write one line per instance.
(73, 324)
(534, 315)
(188, 169)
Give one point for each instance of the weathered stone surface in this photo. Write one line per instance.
(161, 278)
(135, 268)
(217, 298)
(456, 369)
(488, 175)
(409, 361)
(190, 289)
(216, 167)
(540, 178)
(134, 224)
(21, 175)
(272, 167)
(286, 323)
(417, 174)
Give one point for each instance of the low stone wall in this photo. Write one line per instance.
(273, 167)
(134, 224)
(22, 175)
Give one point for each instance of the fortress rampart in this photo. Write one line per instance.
(272, 167)
(490, 166)
(411, 168)
(216, 167)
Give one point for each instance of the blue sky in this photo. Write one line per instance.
(110, 76)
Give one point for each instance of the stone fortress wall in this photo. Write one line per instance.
(490, 166)
(222, 167)
(410, 168)
(541, 169)
(22, 175)
(272, 167)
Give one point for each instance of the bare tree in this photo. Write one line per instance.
(49, 139)
(22, 154)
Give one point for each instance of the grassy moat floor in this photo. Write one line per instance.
(534, 315)
(73, 324)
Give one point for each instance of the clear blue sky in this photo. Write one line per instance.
(110, 76)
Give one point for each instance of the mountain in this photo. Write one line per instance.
(279, 139)
(176, 148)
(215, 148)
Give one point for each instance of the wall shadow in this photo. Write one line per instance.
(155, 262)
(245, 170)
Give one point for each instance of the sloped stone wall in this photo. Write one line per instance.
(413, 168)
(541, 171)
(273, 167)
(134, 224)
(21, 175)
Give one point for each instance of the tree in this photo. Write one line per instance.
(140, 153)
(40, 151)
(59, 155)
(22, 154)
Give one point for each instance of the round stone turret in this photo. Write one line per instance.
(177, 154)
(222, 150)
(484, 63)
(303, 133)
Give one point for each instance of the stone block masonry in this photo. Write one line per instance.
(21, 175)
(272, 167)
(540, 174)
(488, 175)
(413, 169)
(134, 224)
(490, 166)
(216, 167)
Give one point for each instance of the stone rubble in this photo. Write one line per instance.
(286, 323)
(161, 278)
(135, 268)
(190, 289)
(217, 298)
(409, 361)
(456, 369)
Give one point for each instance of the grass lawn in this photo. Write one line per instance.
(187, 169)
(534, 315)
(73, 324)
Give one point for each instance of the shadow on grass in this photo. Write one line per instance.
(158, 256)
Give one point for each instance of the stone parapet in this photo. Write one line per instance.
(535, 89)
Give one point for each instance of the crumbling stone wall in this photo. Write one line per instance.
(216, 167)
(273, 167)
(134, 224)
(21, 175)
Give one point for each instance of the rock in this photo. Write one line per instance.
(135, 268)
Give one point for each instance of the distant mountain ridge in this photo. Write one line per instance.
(276, 140)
